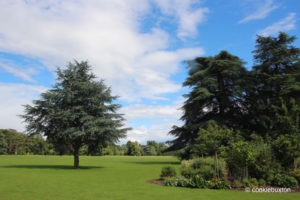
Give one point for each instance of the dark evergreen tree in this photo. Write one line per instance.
(217, 95)
(78, 110)
(274, 95)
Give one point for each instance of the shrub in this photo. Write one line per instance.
(189, 172)
(200, 162)
(218, 184)
(237, 184)
(253, 182)
(245, 182)
(204, 167)
(207, 172)
(185, 164)
(297, 162)
(167, 172)
(283, 180)
(169, 182)
(296, 174)
(261, 182)
(183, 182)
(198, 182)
(270, 178)
(178, 181)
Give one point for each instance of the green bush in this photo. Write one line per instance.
(283, 180)
(203, 167)
(189, 172)
(237, 184)
(297, 162)
(245, 182)
(178, 181)
(261, 182)
(167, 172)
(218, 184)
(296, 174)
(269, 180)
(198, 163)
(253, 182)
(206, 172)
(198, 182)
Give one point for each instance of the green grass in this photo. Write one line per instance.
(52, 177)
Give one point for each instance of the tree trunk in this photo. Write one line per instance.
(217, 165)
(76, 157)
(221, 95)
(246, 174)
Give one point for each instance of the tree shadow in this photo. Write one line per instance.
(55, 167)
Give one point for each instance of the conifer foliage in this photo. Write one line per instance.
(216, 95)
(78, 110)
(264, 100)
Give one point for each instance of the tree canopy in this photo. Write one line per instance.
(78, 110)
(216, 95)
(264, 100)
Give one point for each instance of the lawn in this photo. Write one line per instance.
(52, 177)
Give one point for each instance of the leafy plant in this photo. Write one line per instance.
(296, 174)
(167, 172)
(178, 181)
(253, 182)
(261, 182)
(198, 182)
(283, 180)
(218, 184)
(237, 184)
(245, 182)
(203, 167)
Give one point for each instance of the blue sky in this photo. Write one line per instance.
(136, 46)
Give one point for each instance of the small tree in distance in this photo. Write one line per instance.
(78, 110)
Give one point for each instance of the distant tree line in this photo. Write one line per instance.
(16, 143)
(13, 142)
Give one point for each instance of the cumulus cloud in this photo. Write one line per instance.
(107, 33)
(137, 65)
(187, 15)
(151, 111)
(262, 9)
(161, 118)
(286, 24)
(12, 97)
(157, 132)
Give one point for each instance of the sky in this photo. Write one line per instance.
(139, 48)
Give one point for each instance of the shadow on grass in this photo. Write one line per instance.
(56, 167)
(156, 162)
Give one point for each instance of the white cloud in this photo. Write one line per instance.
(12, 97)
(188, 17)
(151, 111)
(24, 74)
(138, 65)
(286, 24)
(160, 120)
(157, 132)
(104, 32)
(262, 9)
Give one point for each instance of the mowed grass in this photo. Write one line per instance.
(52, 177)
